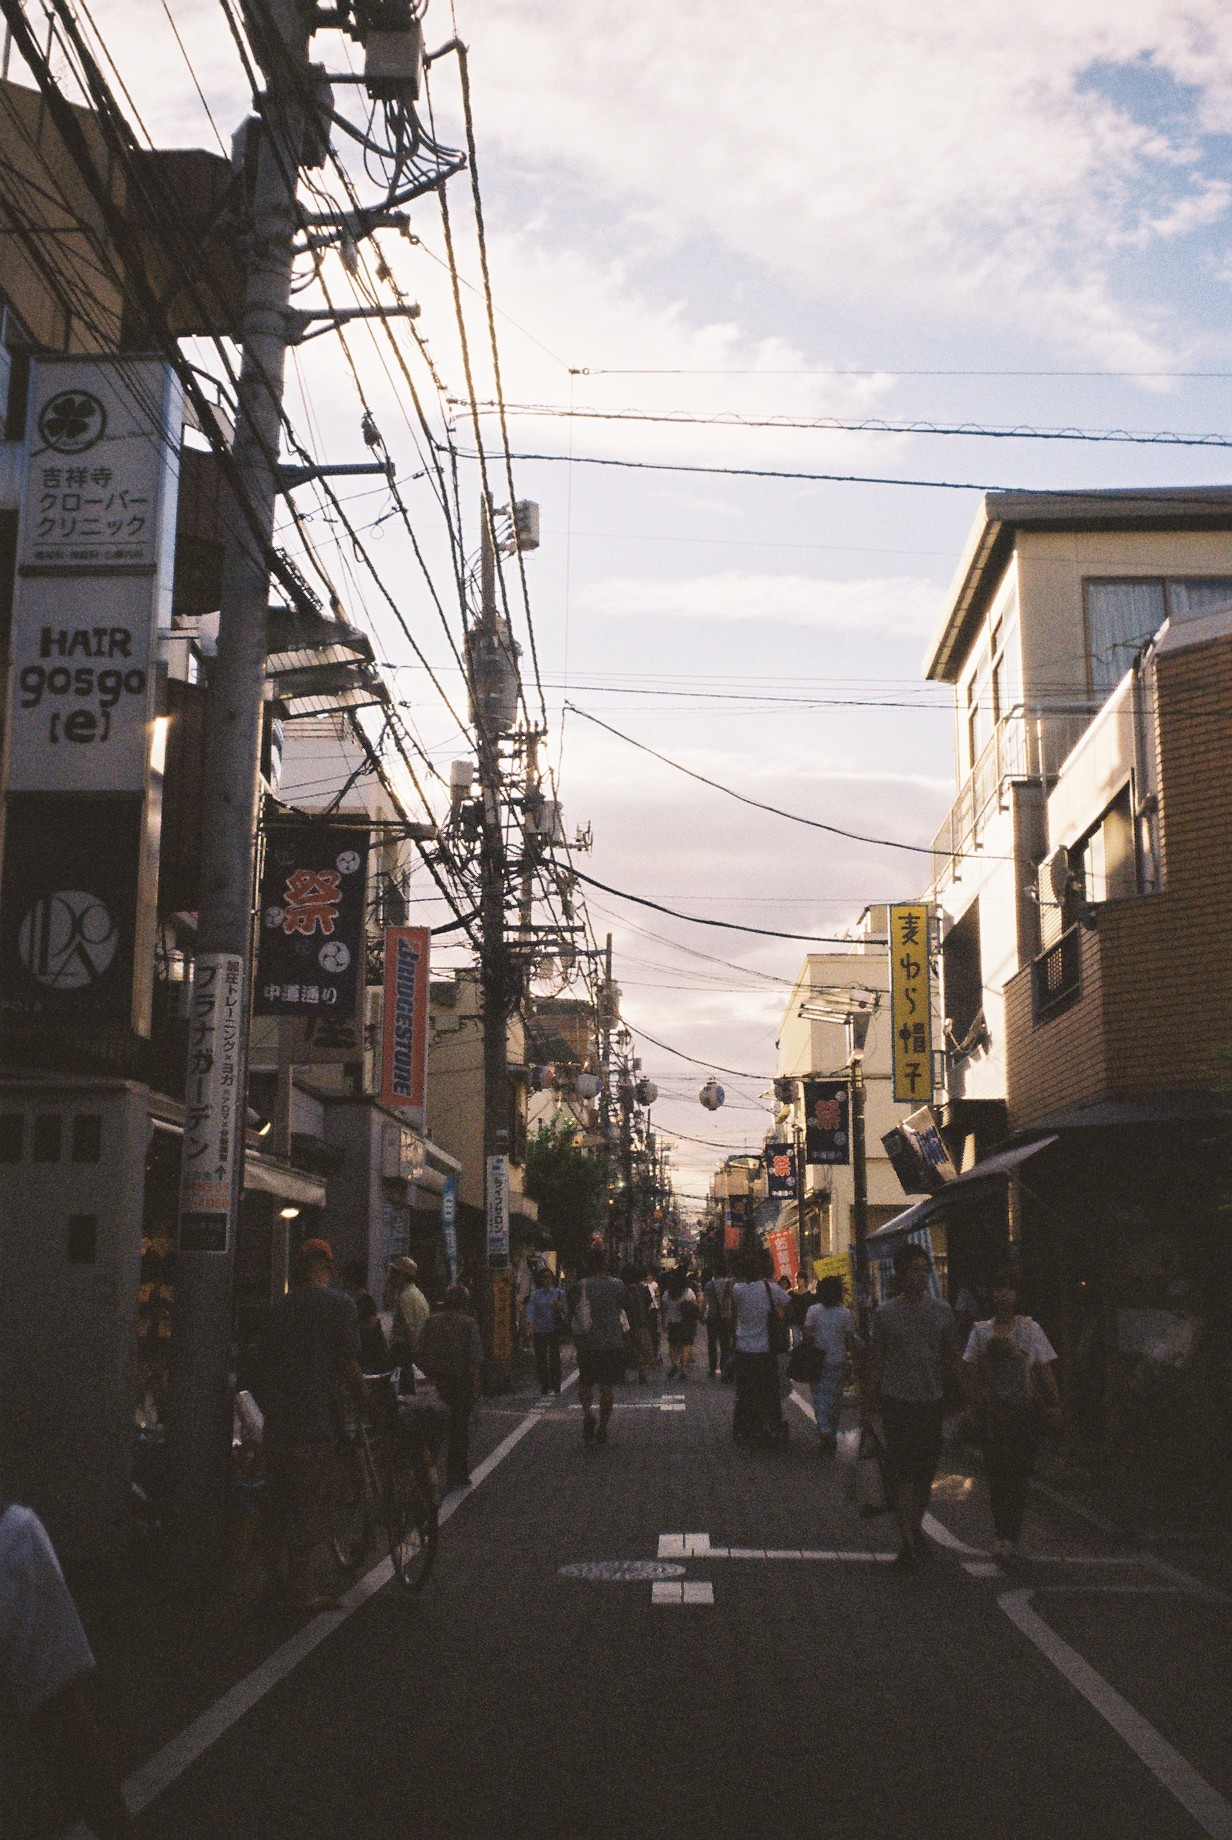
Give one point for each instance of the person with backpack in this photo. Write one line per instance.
(1012, 1387)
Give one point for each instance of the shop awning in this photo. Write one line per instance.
(274, 1178)
(1001, 1164)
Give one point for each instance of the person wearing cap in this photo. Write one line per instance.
(312, 1355)
(410, 1312)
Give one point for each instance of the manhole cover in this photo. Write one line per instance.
(616, 1571)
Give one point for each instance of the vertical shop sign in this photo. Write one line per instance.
(780, 1171)
(449, 1225)
(497, 1197)
(404, 1030)
(910, 1004)
(314, 891)
(213, 1141)
(781, 1244)
(827, 1110)
(95, 550)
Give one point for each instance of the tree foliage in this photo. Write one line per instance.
(568, 1183)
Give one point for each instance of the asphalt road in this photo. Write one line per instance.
(1082, 1694)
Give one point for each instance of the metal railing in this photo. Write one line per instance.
(1026, 747)
(1057, 975)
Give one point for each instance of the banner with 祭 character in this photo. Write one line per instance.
(311, 935)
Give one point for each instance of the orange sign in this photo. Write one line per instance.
(781, 1242)
(404, 1035)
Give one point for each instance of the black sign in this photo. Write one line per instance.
(310, 951)
(780, 1171)
(68, 914)
(827, 1110)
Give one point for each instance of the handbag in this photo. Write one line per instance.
(776, 1329)
(807, 1363)
(869, 1487)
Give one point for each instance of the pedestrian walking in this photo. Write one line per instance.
(682, 1313)
(1011, 1376)
(654, 1318)
(55, 1765)
(760, 1336)
(450, 1354)
(311, 1358)
(637, 1309)
(914, 1357)
(803, 1298)
(410, 1313)
(716, 1294)
(597, 1306)
(545, 1313)
(830, 1328)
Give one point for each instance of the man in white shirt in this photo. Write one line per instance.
(44, 1660)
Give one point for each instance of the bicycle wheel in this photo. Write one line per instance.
(350, 1508)
(413, 1527)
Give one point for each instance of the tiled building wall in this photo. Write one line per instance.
(1156, 1006)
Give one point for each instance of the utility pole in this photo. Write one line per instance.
(859, 1184)
(492, 666)
(200, 1402)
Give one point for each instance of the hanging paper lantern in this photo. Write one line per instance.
(712, 1095)
(646, 1092)
(587, 1085)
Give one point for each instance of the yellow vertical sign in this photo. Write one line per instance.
(909, 1003)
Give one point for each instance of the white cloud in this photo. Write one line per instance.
(851, 150)
(894, 605)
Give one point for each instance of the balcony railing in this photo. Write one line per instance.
(1057, 976)
(1025, 747)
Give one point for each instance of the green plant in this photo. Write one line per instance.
(568, 1183)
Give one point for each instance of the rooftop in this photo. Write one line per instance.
(1003, 514)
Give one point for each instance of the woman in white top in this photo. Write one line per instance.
(682, 1313)
(1012, 1385)
(830, 1327)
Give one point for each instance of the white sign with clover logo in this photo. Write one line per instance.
(95, 554)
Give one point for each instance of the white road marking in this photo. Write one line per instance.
(161, 1770)
(692, 1591)
(982, 1568)
(684, 1545)
(1199, 1798)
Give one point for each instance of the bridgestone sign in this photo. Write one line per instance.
(405, 1019)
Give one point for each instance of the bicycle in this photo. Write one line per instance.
(386, 1477)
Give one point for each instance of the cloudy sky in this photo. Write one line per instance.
(887, 212)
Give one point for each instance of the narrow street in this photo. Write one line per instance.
(758, 1668)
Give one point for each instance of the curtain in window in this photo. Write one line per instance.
(1121, 617)
(1194, 599)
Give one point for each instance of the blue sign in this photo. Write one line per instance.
(449, 1224)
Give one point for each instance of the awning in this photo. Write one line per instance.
(1002, 1163)
(272, 1178)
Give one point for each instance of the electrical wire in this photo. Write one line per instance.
(730, 926)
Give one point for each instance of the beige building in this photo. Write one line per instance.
(813, 1040)
(1081, 880)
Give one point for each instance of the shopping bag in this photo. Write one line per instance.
(870, 1488)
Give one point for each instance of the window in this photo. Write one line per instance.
(1123, 616)
(963, 972)
(87, 1137)
(82, 1247)
(1106, 859)
(47, 1138)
